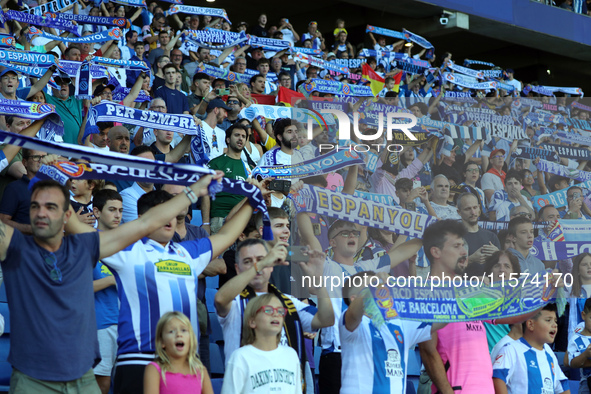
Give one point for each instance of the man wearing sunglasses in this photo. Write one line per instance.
(69, 108)
(254, 265)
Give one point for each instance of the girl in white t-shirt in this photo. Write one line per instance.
(261, 365)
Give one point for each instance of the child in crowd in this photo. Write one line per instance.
(177, 368)
(261, 365)
(579, 349)
(528, 365)
(81, 198)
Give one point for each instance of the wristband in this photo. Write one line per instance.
(205, 224)
(191, 195)
(207, 101)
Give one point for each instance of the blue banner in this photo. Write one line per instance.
(386, 32)
(532, 153)
(52, 126)
(226, 39)
(223, 73)
(334, 87)
(52, 6)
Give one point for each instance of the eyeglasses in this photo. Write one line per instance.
(498, 157)
(51, 261)
(269, 310)
(349, 234)
(35, 157)
(240, 64)
(472, 170)
(158, 107)
(231, 102)
(528, 176)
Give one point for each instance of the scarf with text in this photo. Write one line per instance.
(468, 63)
(552, 251)
(330, 162)
(386, 32)
(225, 39)
(224, 73)
(52, 125)
(122, 23)
(111, 112)
(106, 35)
(38, 20)
(578, 105)
(132, 65)
(321, 63)
(52, 6)
(185, 9)
(434, 301)
(360, 211)
(532, 153)
(27, 59)
(557, 198)
(334, 87)
(268, 44)
(83, 88)
(558, 169)
(458, 79)
(466, 71)
(573, 138)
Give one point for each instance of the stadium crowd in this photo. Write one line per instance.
(107, 293)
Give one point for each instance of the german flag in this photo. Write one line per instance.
(376, 83)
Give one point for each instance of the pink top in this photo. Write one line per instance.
(179, 383)
(464, 351)
(383, 185)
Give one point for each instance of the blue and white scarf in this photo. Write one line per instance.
(579, 124)
(379, 198)
(52, 6)
(360, 211)
(301, 115)
(114, 165)
(570, 152)
(574, 138)
(37, 20)
(439, 301)
(121, 92)
(103, 36)
(308, 51)
(52, 125)
(83, 89)
(387, 32)
(552, 251)
(532, 153)
(466, 71)
(133, 3)
(122, 23)
(417, 39)
(111, 112)
(336, 88)
(578, 105)
(492, 74)
(459, 80)
(468, 63)
(330, 162)
(505, 131)
(537, 89)
(557, 198)
(223, 73)
(268, 44)
(133, 65)
(227, 39)
(71, 67)
(28, 59)
(320, 63)
(213, 12)
(200, 151)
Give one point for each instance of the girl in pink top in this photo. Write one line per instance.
(177, 368)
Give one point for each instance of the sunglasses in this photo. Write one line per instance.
(527, 215)
(51, 261)
(230, 102)
(269, 310)
(349, 234)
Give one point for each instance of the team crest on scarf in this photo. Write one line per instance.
(73, 170)
(398, 336)
(115, 33)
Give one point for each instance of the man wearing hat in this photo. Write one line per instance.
(512, 81)
(215, 137)
(314, 35)
(68, 107)
(104, 91)
(494, 179)
(9, 84)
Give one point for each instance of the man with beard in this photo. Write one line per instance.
(233, 102)
(214, 136)
(481, 243)
(234, 168)
(286, 134)
(457, 358)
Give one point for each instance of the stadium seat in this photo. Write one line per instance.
(574, 386)
(212, 282)
(217, 385)
(216, 361)
(216, 335)
(209, 298)
(317, 353)
(560, 358)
